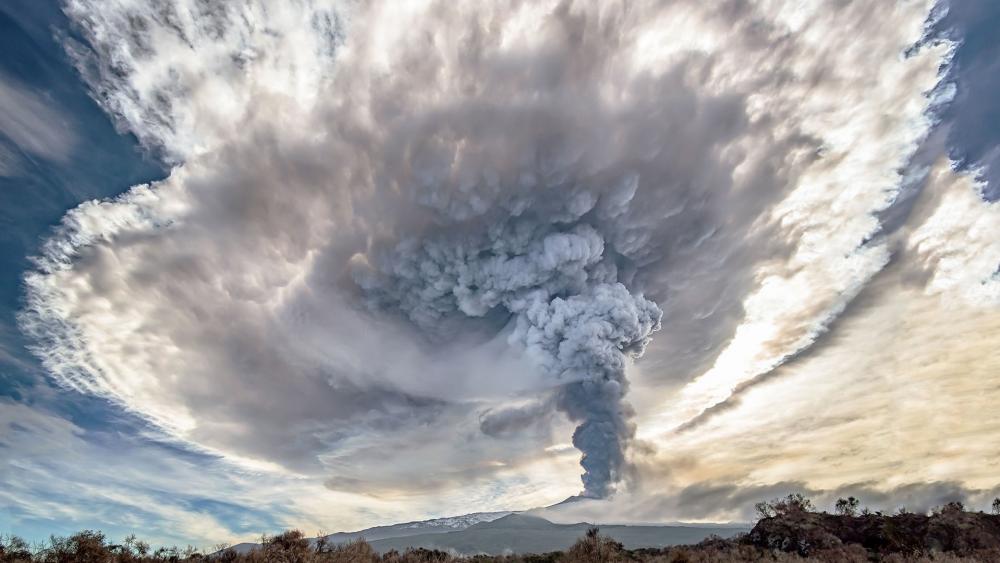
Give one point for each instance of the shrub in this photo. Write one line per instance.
(794, 503)
(847, 506)
(14, 550)
(355, 551)
(87, 546)
(595, 548)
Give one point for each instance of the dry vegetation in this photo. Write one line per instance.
(788, 530)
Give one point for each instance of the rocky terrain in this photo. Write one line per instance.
(949, 529)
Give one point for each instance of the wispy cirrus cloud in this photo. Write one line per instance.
(64, 477)
(31, 126)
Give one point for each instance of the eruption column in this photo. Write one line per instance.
(568, 311)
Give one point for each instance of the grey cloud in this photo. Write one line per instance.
(732, 502)
(514, 418)
(444, 225)
(543, 205)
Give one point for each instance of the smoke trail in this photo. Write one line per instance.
(560, 286)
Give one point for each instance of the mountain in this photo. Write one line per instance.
(405, 529)
(520, 533)
(423, 527)
(512, 532)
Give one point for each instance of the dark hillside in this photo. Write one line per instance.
(950, 530)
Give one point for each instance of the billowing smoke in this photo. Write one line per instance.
(561, 287)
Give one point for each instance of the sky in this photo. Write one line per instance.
(328, 265)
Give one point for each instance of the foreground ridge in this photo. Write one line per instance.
(788, 530)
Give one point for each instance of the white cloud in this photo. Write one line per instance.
(886, 400)
(956, 238)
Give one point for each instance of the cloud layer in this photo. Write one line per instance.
(398, 236)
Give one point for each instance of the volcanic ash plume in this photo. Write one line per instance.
(559, 286)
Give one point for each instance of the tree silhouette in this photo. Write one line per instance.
(847, 506)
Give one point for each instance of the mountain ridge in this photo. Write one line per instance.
(513, 532)
(525, 533)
